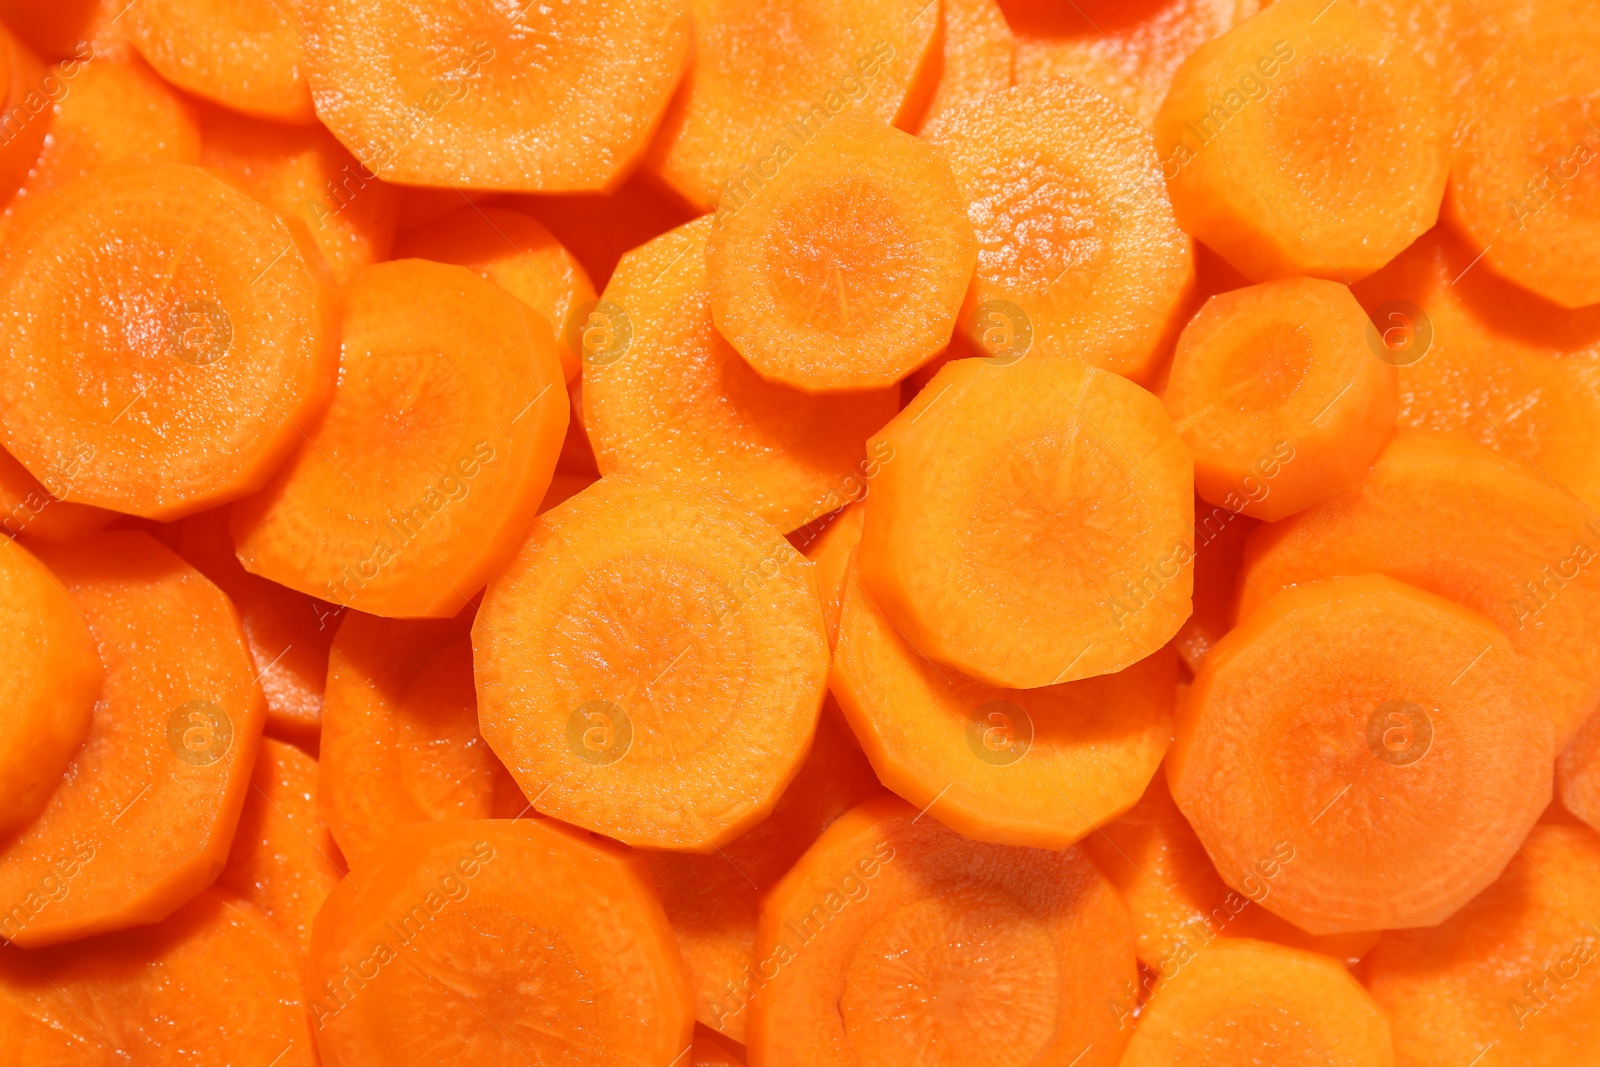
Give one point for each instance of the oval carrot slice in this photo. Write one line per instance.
(666, 397)
(977, 54)
(1078, 249)
(27, 507)
(1578, 773)
(167, 758)
(422, 476)
(652, 663)
(168, 328)
(831, 552)
(1279, 396)
(499, 942)
(28, 112)
(1046, 543)
(245, 54)
(887, 911)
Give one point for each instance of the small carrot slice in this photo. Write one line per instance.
(206, 331)
(167, 758)
(244, 54)
(1578, 773)
(1046, 543)
(497, 942)
(977, 56)
(27, 507)
(29, 92)
(1078, 248)
(899, 940)
(1339, 156)
(666, 397)
(599, 228)
(1280, 397)
(1219, 544)
(831, 553)
(424, 473)
(651, 664)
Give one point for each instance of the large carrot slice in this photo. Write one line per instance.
(977, 57)
(245, 54)
(1305, 140)
(27, 507)
(168, 338)
(652, 663)
(895, 940)
(1578, 773)
(1078, 249)
(831, 552)
(423, 474)
(143, 817)
(666, 397)
(536, 97)
(498, 943)
(1034, 526)
(28, 113)
(1219, 543)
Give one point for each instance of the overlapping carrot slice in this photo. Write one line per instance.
(27, 507)
(977, 55)
(245, 54)
(27, 109)
(831, 552)
(51, 30)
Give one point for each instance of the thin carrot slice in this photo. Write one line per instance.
(213, 980)
(498, 943)
(1034, 525)
(244, 54)
(1245, 1001)
(27, 507)
(1578, 773)
(1219, 543)
(1280, 397)
(144, 815)
(424, 473)
(29, 94)
(167, 339)
(539, 97)
(895, 940)
(1383, 734)
(599, 228)
(1509, 979)
(977, 56)
(666, 397)
(1340, 151)
(652, 663)
(400, 741)
(51, 30)
(1078, 248)
(831, 553)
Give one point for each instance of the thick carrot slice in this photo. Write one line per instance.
(204, 329)
(29, 93)
(977, 57)
(1423, 517)
(1034, 526)
(1245, 1001)
(214, 980)
(1280, 397)
(1511, 977)
(894, 941)
(27, 507)
(537, 97)
(666, 397)
(1219, 543)
(1383, 734)
(1578, 773)
(144, 815)
(1337, 160)
(498, 943)
(765, 81)
(283, 860)
(652, 663)
(245, 54)
(831, 553)
(599, 228)
(1078, 249)
(400, 741)
(422, 476)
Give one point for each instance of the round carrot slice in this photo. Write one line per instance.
(1034, 526)
(27, 507)
(844, 272)
(666, 397)
(976, 59)
(901, 941)
(144, 815)
(498, 943)
(1383, 734)
(422, 476)
(1280, 397)
(652, 663)
(28, 112)
(168, 339)
(831, 553)
(1578, 773)
(1305, 140)
(536, 97)
(245, 54)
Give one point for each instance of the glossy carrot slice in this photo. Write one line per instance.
(1578, 773)
(831, 553)
(29, 93)
(977, 55)
(245, 54)
(27, 507)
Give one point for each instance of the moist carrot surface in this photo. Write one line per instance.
(246, 54)
(28, 117)
(831, 551)
(977, 55)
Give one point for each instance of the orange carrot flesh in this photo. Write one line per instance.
(28, 114)
(27, 507)
(1578, 773)
(245, 54)
(977, 58)
(831, 552)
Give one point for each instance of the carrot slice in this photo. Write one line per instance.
(1045, 544)
(599, 228)
(1578, 773)
(898, 940)
(213, 980)
(498, 942)
(1280, 397)
(1328, 724)
(1510, 978)
(422, 476)
(831, 553)
(27, 507)
(205, 331)
(666, 397)
(1245, 1001)
(400, 741)
(1219, 544)
(1421, 517)
(552, 97)
(51, 30)
(1340, 155)
(29, 93)
(652, 663)
(245, 54)
(143, 817)
(1078, 248)
(978, 52)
